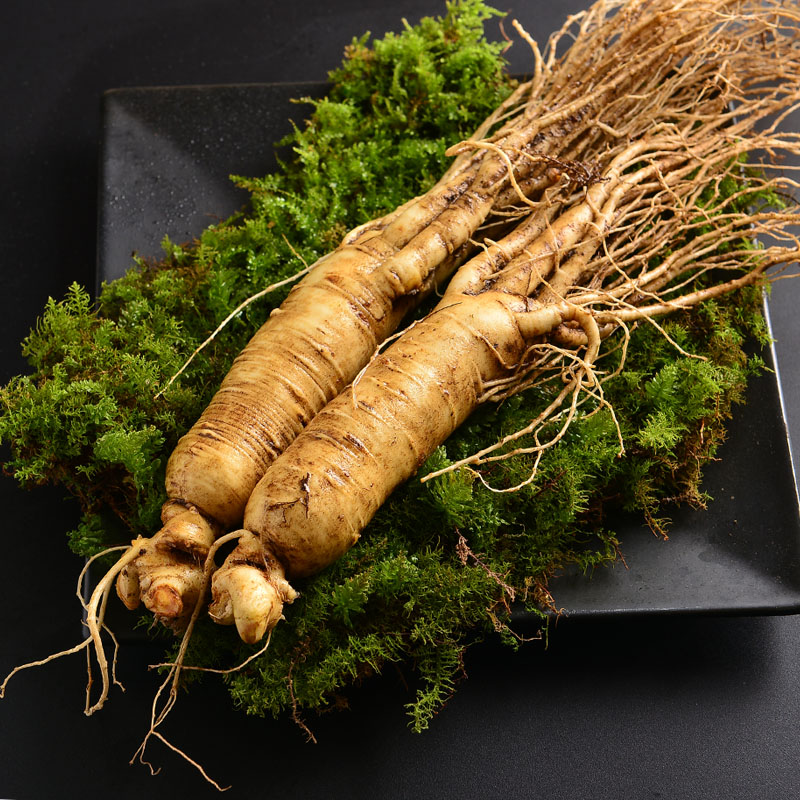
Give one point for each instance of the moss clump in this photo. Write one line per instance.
(439, 565)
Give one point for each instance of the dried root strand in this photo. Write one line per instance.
(95, 612)
(95, 615)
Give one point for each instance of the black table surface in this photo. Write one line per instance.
(641, 707)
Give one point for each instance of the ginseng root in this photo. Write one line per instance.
(544, 137)
(639, 242)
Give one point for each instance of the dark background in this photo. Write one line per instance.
(647, 707)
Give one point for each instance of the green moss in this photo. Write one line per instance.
(435, 570)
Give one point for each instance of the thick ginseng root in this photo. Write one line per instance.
(311, 347)
(167, 574)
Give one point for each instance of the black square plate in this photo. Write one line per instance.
(165, 165)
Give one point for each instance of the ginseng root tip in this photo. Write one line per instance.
(249, 590)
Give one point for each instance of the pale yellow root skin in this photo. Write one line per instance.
(312, 504)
